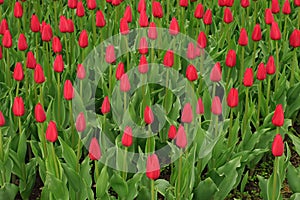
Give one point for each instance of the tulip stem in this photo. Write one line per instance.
(242, 65)
(277, 64)
(230, 137)
(275, 178)
(41, 95)
(72, 123)
(43, 139)
(153, 197)
(268, 94)
(110, 80)
(254, 54)
(258, 104)
(8, 77)
(168, 10)
(125, 163)
(17, 91)
(149, 139)
(167, 85)
(20, 125)
(285, 24)
(228, 79)
(1, 158)
(293, 68)
(58, 96)
(78, 153)
(246, 113)
(179, 176)
(255, 11)
(67, 53)
(96, 170)
(36, 47)
(299, 17)
(94, 26)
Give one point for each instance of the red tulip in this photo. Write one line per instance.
(39, 76)
(228, 17)
(277, 146)
(181, 140)
(91, 4)
(105, 108)
(191, 73)
(22, 43)
(200, 107)
(127, 137)
(141, 6)
(80, 122)
(169, 59)
(68, 90)
(278, 117)
(261, 72)
(58, 64)
(83, 40)
(7, 39)
(80, 72)
(51, 132)
(124, 83)
(143, 65)
(18, 10)
(39, 113)
(222, 3)
(143, 20)
(124, 28)
(18, 107)
(34, 23)
(295, 38)
(243, 39)
(172, 132)
(275, 7)
(152, 32)
(116, 2)
(297, 2)
(120, 71)
(63, 24)
(256, 34)
(70, 28)
(190, 52)
(148, 115)
(286, 9)
(207, 17)
(3, 26)
(2, 119)
(152, 167)
(187, 113)
(229, 3)
(230, 58)
(94, 149)
(183, 3)
(233, 98)
(18, 72)
(47, 33)
(157, 10)
(202, 41)
(216, 107)
(248, 77)
(245, 3)
(1, 1)
(199, 11)
(128, 14)
(110, 56)
(174, 27)
(100, 19)
(269, 16)
(216, 73)
(270, 67)
(143, 46)
(275, 31)
(80, 9)
(72, 4)
(56, 45)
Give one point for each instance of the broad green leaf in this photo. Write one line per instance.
(56, 187)
(119, 185)
(102, 183)
(68, 154)
(206, 190)
(8, 191)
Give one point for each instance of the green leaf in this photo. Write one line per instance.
(74, 179)
(22, 148)
(133, 185)
(68, 154)
(56, 187)
(102, 183)
(119, 185)
(8, 191)
(205, 190)
(296, 142)
(162, 185)
(293, 177)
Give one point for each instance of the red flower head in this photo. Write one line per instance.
(2, 119)
(80, 72)
(80, 9)
(115, 2)
(120, 71)
(127, 137)
(157, 10)
(295, 38)
(275, 31)
(39, 113)
(216, 107)
(124, 83)
(141, 6)
(105, 108)
(83, 40)
(202, 41)
(229, 3)
(200, 107)
(18, 10)
(233, 98)
(7, 39)
(275, 7)
(22, 43)
(278, 117)
(56, 45)
(269, 16)
(243, 40)
(143, 20)
(18, 107)
(80, 122)
(34, 23)
(110, 56)
(94, 149)
(51, 132)
(297, 2)
(207, 18)
(68, 90)
(18, 72)
(228, 17)
(230, 58)
(216, 73)
(143, 65)
(72, 4)
(39, 76)
(152, 167)
(222, 3)
(128, 14)
(47, 33)
(270, 67)
(286, 9)
(148, 115)
(3, 26)
(245, 3)
(183, 3)
(70, 26)
(191, 73)
(152, 31)
(187, 113)
(248, 77)
(181, 140)
(143, 46)
(256, 34)
(91, 4)
(169, 59)
(199, 11)
(190, 52)
(174, 27)
(172, 132)
(58, 64)
(277, 146)
(63, 24)
(261, 72)
(124, 28)
(100, 19)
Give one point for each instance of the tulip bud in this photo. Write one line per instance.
(39, 113)
(51, 132)
(169, 59)
(22, 43)
(124, 28)
(34, 23)
(200, 107)
(270, 67)
(278, 117)
(228, 18)
(80, 9)
(297, 2)
(141, 6)
(243, 39)
(152, 32)
(124, 83)
(120, 71)
(233, 98)
(143, 20)
(286, 9)
(94, 149)
(110, 56)
(190, 52)
(63, 24)
(143, 46)
(295, 38)
(275, 7)
(128, 14)
(216, 107)
(199, 11)
(172, 132)
(269, 16)
(202, 41)
(7, 39)
(256, 34)
(127, 137)
(18, 72)
(230, 58)
(222, 3)
(245, 3)
(157, 10)
(148, 115)
(261, 72)
(39, 76)
(275, 31)
(72, 4)
(183, 3)
(18, 10)
(80, 122)
(2, 119)
(56, 45)
(58, 64)
(80, 72)
(116, 2)
(47, 33)
(68, 90)
(152, 167)
(207, 18)
(248, 77)
(229, 3)
(143, 65)
(105, 108)
(216, 73)
(100, 19)
(277, 146)
(18, 107)
(187, 113)
(91, 4)
(181, 140)
(83, 40)
(3, 26)
(174, 27)
(191, 73)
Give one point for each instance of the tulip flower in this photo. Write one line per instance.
(275, 7)
(286, 9)
(216, 73)
(256, 34)
(169, 59)
(18, 72)
(199, 11)
(278, 117)
(80, 72)
(105, 108)
(268, 16)
(72, 4)
(202, 41)
(152, 31)
(277, 146)
(143, 46)
(245, 3)
(51, 132)
(152, 167)
(187, 113)
(207, 17)
(94, 149)
(91, 4)
(110, 56)
(80, 123)
(270, 67)
(141, 6)
(143, 65)
(190, 52)
(222, 3)
(3, 26)
(172, 132)
(128, 14)
(295, 38)
(261, 72)
(216, 107)
(2, 119)
(183, 3)
(34, 23)
(63, 24)
(143, 20)
(100, 19)
(148, 115)
(243, 39)
(233, 98)
(229, 3)
(248, 77)
(124, 83)
(200, 107)
(228, 17)
(120, 71)
(83, 40)
(275, 31)
(7, 39)
(47, 33)
(181, 139)
(39, 76)
(18, 10)
(124, 28)
(157, 10)
(297, 2)
(18, 107)
(127, 137)
(22, 42)
(58, 64)
(39, 113)
(230, 58)
(174, 27)
(56, 45)
(68, 90)
(191, 73)
(80, 9)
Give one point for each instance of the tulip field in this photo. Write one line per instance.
(150, 99)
